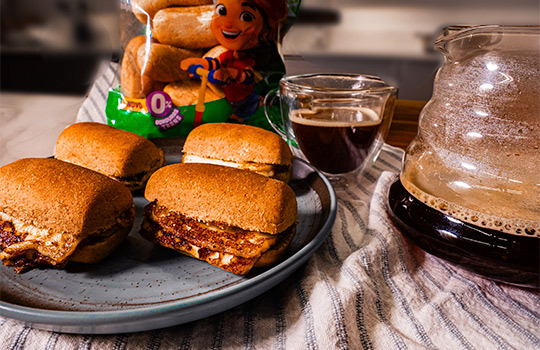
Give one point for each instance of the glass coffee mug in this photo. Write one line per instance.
(338, 122)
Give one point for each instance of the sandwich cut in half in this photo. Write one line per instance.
(122, 155)
(231, 218)
(52, 212)
(239, 146)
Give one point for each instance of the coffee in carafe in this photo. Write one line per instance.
(469, 189)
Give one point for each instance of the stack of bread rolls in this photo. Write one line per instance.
(180, 30)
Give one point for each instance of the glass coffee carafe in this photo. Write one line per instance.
(469, 189)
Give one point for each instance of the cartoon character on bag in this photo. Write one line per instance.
(248, 29)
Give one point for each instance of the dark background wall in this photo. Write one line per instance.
(56, 45)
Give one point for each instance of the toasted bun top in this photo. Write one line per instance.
(238, 143)
(108, 150)
(213, 193)
(54, 195)
(144, 8)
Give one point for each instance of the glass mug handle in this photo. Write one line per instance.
(275, 118)
(276, 123)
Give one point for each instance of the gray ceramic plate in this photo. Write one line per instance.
(143, 286)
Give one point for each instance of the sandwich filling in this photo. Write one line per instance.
(137, 181)
(276, 171)
(24, 245)
(229, 248)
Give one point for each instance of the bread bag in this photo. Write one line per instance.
(184, 64)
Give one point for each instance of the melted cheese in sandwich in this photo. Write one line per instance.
(224, 260)
(263, 169)
(209, 235)
(56, 246)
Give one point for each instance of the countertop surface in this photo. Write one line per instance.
(31, 122)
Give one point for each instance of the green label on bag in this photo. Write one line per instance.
(156, 116)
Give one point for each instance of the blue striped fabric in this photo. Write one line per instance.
(366, 288)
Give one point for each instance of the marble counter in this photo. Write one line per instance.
(30, 123)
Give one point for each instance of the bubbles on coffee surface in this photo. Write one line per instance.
(336, 116)
(494, 222)
(477, 153)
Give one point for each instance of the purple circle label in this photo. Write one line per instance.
(159, 104)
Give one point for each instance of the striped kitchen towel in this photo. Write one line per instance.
(93, 108)
(365, 288)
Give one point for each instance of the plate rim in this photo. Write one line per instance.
(97, 322)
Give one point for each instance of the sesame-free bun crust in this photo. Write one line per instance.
(276, 252)
(187, 27)
(238, 143)
(134, 83)
(148, 8)
(97, 251)
(161, 62)
(62, 197)
(217, 194)
(108, 150)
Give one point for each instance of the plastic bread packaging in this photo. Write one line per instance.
(191, 62)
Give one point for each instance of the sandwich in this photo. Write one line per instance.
(53, 212)
(233, 219)
(239, 146)
(123, 156)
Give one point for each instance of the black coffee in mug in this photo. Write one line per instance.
(335, 140)
(337, 122)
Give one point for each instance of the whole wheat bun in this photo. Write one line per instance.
(237, 143)
(143, 9)
(218, 194)
(108, 150)
(186, 27)
(134, 83)
(95, 252)
(186, 92)
(161, 62)
(68, 201)
(276, 252)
